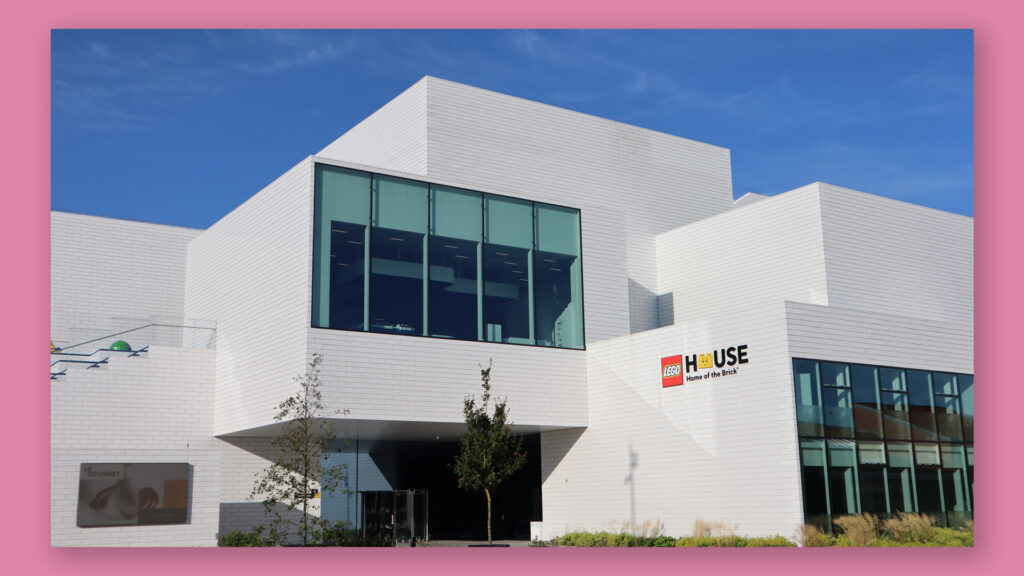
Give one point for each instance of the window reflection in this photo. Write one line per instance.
(405, 257)
(891, 466)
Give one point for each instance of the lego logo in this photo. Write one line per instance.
(671, 371)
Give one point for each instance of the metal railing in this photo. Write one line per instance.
(134, 341)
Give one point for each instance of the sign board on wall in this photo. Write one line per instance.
(136, 494)
(691, 367)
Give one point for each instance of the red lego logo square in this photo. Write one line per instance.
(672, 371)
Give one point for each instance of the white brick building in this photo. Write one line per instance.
(592, 254)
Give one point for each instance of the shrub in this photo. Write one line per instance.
(338, 535)
(253, 538)
(811, 536)
(910, 528)
(770, 542)
(663, 542)
(862, 529)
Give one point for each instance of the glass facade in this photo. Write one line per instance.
(884, 440)
(407, 257)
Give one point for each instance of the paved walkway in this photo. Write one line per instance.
(465, 543)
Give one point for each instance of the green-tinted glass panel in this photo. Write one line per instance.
(340, 244)
(867, 411)
(456, 213)
(895, 405)
(456, 289)
(900, 478)
(399, 204)
(837, 399)
(944, 383)
(926, 454)
(808, 399)
(842, 483)
(871, 477)
(833, 374)
(922, 412)
(966, 385)
(947, 418)
(508, 271)
(815, 484)
(871, 453)
(558, 277)
(398, 283)
(508, 222)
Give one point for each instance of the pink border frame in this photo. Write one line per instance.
(24, 229)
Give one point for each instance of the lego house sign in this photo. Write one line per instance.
(705, 366)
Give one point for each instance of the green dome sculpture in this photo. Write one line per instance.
(121, 345)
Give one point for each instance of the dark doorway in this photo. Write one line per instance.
(455, 514)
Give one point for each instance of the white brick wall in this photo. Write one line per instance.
(393, 137)
(103, 270)
(154, 409)
(897, 258)
(390, 377)
(630, 183)
(718, 450)
(250, 271)
(845, 335)
(751, 256)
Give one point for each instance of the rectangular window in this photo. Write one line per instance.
(895, 406)
(947, 407)
(809, 420)
(871, 477)
(922, 412)
(405, 257)
(558, 277)
(929, 487)
(398, 245)
(837, 400)
(508, 270)
(966, 385)
(900, 478)
(867, 412)
(816, 506)
(842, 478)
(954, 485)
(340, 248)
(456, 295)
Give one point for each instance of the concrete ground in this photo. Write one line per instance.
(464, 543)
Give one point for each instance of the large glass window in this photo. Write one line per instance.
(837, 400)
(922, 412)
(341, 240)
(966, 382)
(871, 477)
(508, 270)
(956, 500)
(456, 297)
(808, 403)
(815, 485)
(407, 257)
(842, 477)
(929, 487)
(895, 407)
(947, 407)
(900, 478)
(558, 278)
(884, 440)
(398, 269)
(867, 413)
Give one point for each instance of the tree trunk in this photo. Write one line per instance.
(488, 493)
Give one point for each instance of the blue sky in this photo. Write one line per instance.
(180, 127)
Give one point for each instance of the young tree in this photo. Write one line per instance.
(288, 485)
(489, 452)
